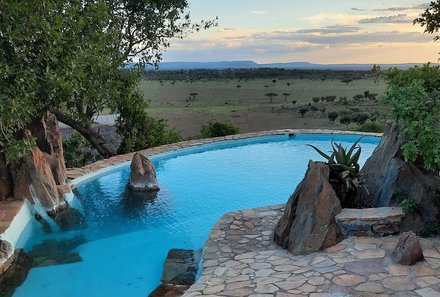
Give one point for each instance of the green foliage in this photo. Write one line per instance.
(77, 151)
(70, 58)
(376, 73)
(344, 171)
(372, 126)
(430, 19)
(409, 204)
(303, 110)
(360, 118)
(430, 229)
(414, 96)
(139, 130)
(217, 129)
(18, 149)
(345, 120)
(332, 116)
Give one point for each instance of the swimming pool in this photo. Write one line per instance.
(127, 239)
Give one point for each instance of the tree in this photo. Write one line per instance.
(266, 87)
(74, 58)
(285, 96)
(271, 96)
(217, 129)
(332, 116)
(316, 99)
(345, 120)
(375, 74)
(430, 19)
(303, 110)
(414, 96)
(346, 80)
(192, 96)
(238, 88)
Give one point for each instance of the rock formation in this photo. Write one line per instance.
(143, 175)
(387, 179)
(19, 266)
(179, 273)
(41, 175)
(308, 223)
(408, 250)
(6, 252)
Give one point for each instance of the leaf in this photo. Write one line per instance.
(324, 155)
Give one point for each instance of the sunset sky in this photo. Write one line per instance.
(319, 31)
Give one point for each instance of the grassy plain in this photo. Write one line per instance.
(248, 107)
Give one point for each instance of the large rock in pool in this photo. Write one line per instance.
(68, 219)
(308, 224)
(387, 180)
(15, 274)
(143, 175)
(179, 273)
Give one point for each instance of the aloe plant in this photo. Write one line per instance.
(344, 171)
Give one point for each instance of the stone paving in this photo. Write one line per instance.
(240, 259)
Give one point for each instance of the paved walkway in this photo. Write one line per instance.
(241, 260)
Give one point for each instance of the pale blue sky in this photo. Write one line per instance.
(320, 31)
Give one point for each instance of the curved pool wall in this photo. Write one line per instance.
(53, 280)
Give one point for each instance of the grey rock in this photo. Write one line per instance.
(308, 223)
(387, 179)
(142, 175)
(408, 250)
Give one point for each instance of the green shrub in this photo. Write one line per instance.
(409, 204)
(77, 151)
(372, 126)
(414, 96)
(344, 172)
(217, 129)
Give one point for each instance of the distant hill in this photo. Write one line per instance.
(292, 65)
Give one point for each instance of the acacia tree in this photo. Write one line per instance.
(73, 58)
(430, 19)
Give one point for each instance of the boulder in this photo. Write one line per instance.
(308, 223)
(6, 252)
(68, 218)
(179, 273)
(16, 273)
(143, 175)
(408, 250)
(169, 290)
(57, 252)
(50, 140)
(181, 266)
(387, 180)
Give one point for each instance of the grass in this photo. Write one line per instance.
(249, 108)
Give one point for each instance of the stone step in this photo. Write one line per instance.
(377, 222)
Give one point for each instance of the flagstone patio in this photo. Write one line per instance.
(241, 260)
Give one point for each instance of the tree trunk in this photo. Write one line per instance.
(95, 139)
(5, 179)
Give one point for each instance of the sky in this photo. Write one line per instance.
(318, 31)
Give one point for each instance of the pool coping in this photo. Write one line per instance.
(16, 215)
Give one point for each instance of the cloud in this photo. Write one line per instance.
(404, 8)
(257, 11)
(357, 37)
(357, 9)
(392, 19)
(335, 29)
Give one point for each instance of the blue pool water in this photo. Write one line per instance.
(129, 237)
